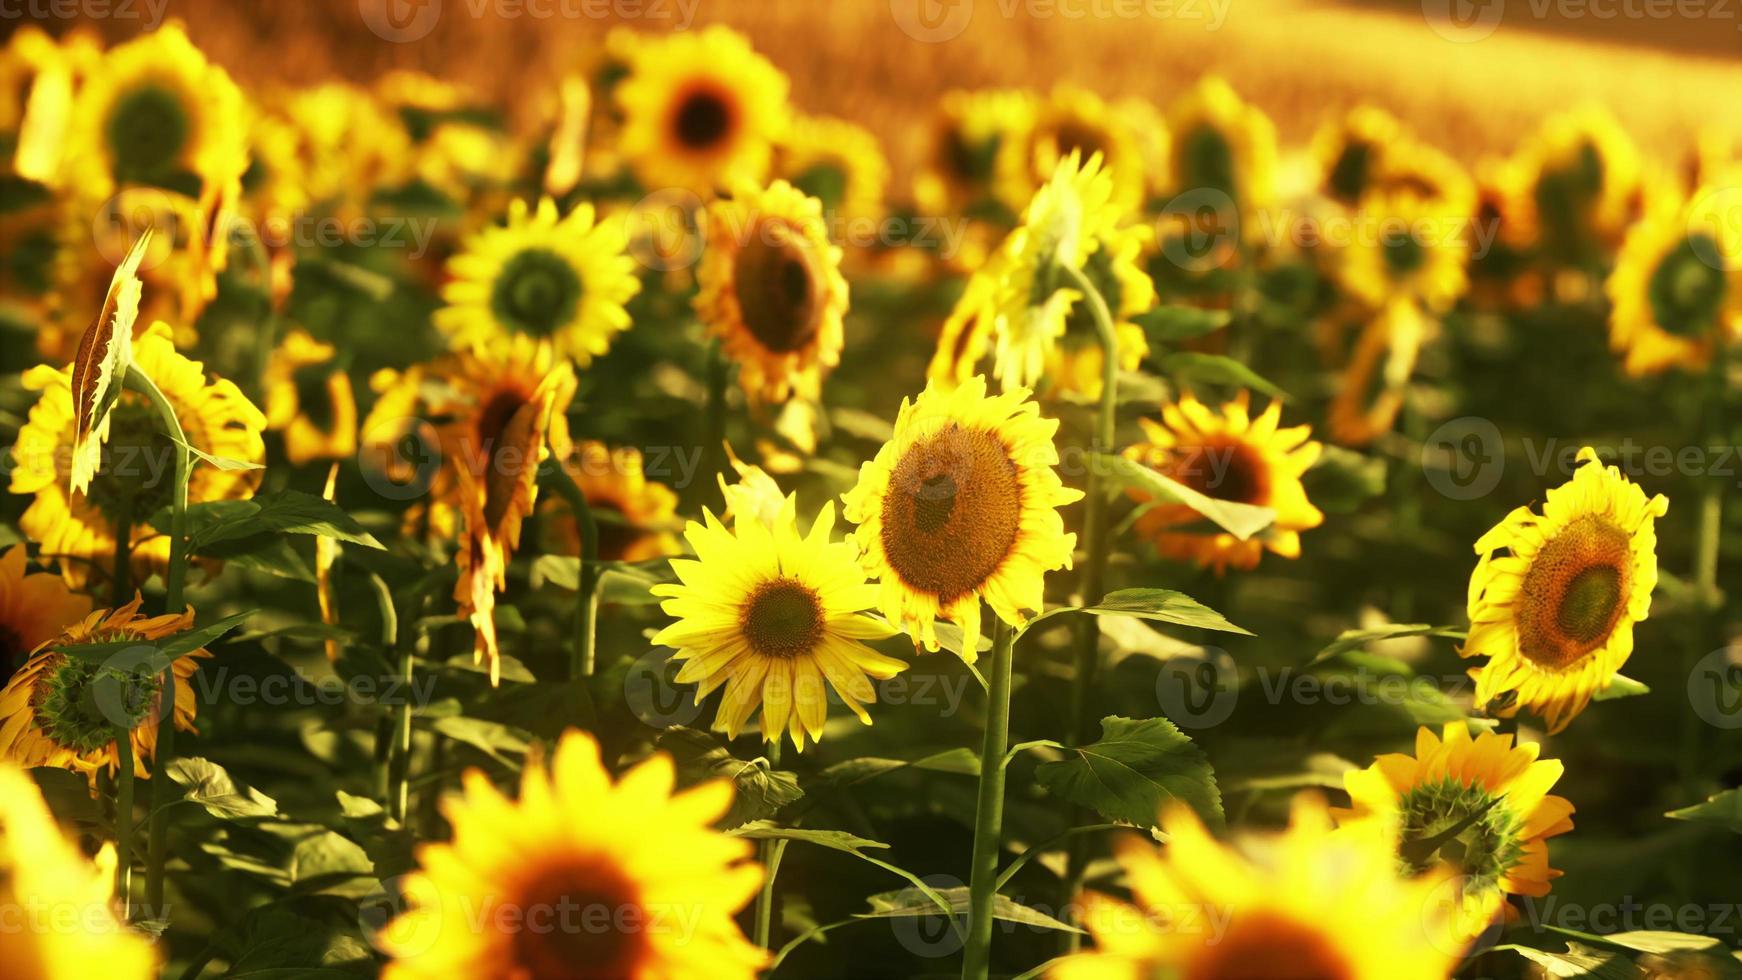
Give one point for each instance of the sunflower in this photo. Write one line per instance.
(579, 877)
(1371, 389)
(540, 276)
(1554, 596)
(1405, 246)
(1676, 291)
(966, 334)
(134, 480)
(1308, 902)
(1499, 788)
(39, 76)
(44, 876)
(701, 111)
(1226, 455)
(837, 162)
(64, 712)
(34, 608)
(1076, 362)
(1073, 121)
(351, 145)
(1347, 151)
(962, 505)
(636, 516)
(1574, 187)
(155, 111)
(772, 290)
(967, 137)
(309, 399)
(1223, 145)
(775, 616)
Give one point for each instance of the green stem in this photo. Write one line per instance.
(583, 656)
(124, 822)
(989, 812)
(123, 573)
(772, 851)
(385, 726)
(1708, 629)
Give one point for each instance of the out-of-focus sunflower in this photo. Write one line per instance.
(137, 472)
(839, 163)
(754, 496)
(1574, 187)
(1226, 455)
(967, 332)
(775, 616)
(701, 111)
(47, 882)
(309, 399)
(1347, 151)
(967, 136)
(574, 852)
(1555, 595)
(772, 290)
(962, 505)
(275, 187)
(469, 162)
(1076, 362)
(636, 516)
(1676, 291)
(67, 713)
(1497, 790)
(1267, 908)
(1223, 146)
(1404, 246)
(352, 145)
(39, 77)
(1371, 388)
(34, 608)
(564, 279)
(1073, 121)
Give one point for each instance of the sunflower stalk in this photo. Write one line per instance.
(772, 852)
(124, 822)
(989, 811)
(583, 655)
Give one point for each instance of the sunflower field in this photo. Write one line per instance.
(645, 528)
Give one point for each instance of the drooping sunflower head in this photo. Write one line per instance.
(309, 398)
(1226, 454)
(1406, 246)
(1373, 384)
(839, 163)
(1072, 122)
(636, 516)
(564, 279)
(1264, 908)
(1555, 595)
(776, 617)
(962, 505)
(701, 111)
(1481, 805)
(772, 290)
(1676, 290)
(582, 876)
(34, 608)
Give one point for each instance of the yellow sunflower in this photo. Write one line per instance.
(1222, 145)
(1308, 902)
(1372, 386)
(962, 505)
(351, 145)
(67, 713)
(1347, 151)
(701, 111)
(772, 290)
(540, 276)
(34, 608)
(309, 399)
(966, 334)
(775, 616)
(1073, 121)
(1404, 246)
(967, 135)
(1076, 362)
(580, 876)
(47, 883)
(636, 516)
(1555, 595)
(1226, 454)
(39, 77)
(1499, 788)
(137, 470)
(1574, 187)
(840, 164)
(1676, 290)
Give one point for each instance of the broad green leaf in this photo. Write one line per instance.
(494, 739)
(910, 902)
(1162, 605)
(1217, 369)
(212, 788)
(960, 761)
(285, 512)
(762, 790)
(1168, 325)
(1724, 809)
(619, 584)
(272, 554)
(1135, 769)
(1355, 639)
(1241, 520)
(1653, 941)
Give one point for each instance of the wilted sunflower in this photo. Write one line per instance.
(701, 111)
(34, 608)
(1405, 246)
(309, 399)
(1226, 455)
(1372, 386)
(772, 290)
(564, 280)
(636, 516)
(1073, 121)
(776, 617)
(580, 877)
(1309, 902)
(970, 130)
(1499, 788)
(1554, 596)
(962, 505)
(47, 884)
(1223, 146)
(1574, 187)
(137, 472)
(1676, 291)
(99, 369)
(67, 713)
(839, 163)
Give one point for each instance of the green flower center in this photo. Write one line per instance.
(966, 161)
(1404, 253)
(825, 181)
(1563, 200)
(147, 130)
(1483, 841)
(1349, 174)
(313, 401)
(536, 292)
(136, 477)
(1686, 290)
(703, 119)
(783, 618)
(87, 706)
(1207, 161)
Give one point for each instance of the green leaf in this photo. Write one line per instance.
(1355, 639)
(221, 462)
(1342, 480)
(959, 761)
(212, 788)
(1724, 809)
(271, 554)
(1135, 769)
(1620, 686)
(285, 512)
(910, 902)
(1216, 369)
(762, 790)
(494, 739)
(1168, 325)
(1241, 520)
(1579, 960)
(1162, 605)
(838, 840)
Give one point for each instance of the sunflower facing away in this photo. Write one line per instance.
(776, 617)
(1676, 290)
(962, 505)
(309, 399)
(967, 135)
(581, 877)
(701, 111)
(34, 608)
(1311, 902)
(565, 280)
(772, 290)
(1499, 789)
(1555, 595)
(1227, 455)
(64, 712)
(636, 516)
(47, 883)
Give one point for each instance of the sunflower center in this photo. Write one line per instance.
(314, 400)
(1266, 946)
(1076, 135)
(579, 921)
(536, 292)
(85, 706)
(1574, 592)
(136, 477)
(1404, 253)
(1225, 471)
(1564, 198)
(1686, 290)
(825, 181)
(1207, 161)
(147, 130)
(703, 119)
(1348, 176)
(782, 618)
(779, 293)
(506, 460)
(953, 511)
(965, 160)
(1449, 821)
(616, 532)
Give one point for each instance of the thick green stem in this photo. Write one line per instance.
(124, 822)
(772, 851)
(989, 813)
